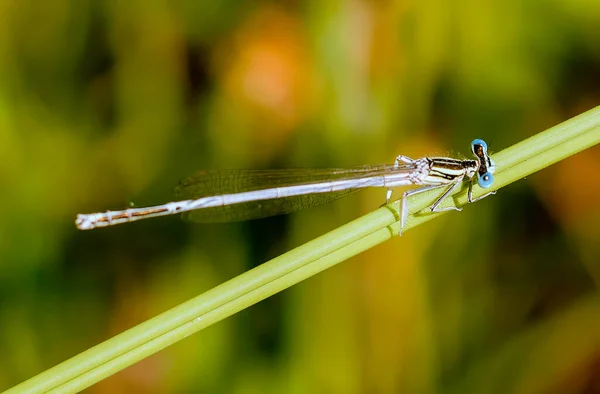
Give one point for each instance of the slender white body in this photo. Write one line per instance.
(103, 219)
(433, 172)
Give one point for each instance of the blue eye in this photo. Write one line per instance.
(485, 180)
(479, 142)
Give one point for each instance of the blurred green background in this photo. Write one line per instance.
(105, 103)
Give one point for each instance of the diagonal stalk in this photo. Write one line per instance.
(133, 345)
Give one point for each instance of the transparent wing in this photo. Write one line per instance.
(219, 182)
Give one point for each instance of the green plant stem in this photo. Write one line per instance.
(133, 345)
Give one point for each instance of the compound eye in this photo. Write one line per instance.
(485, 180)
(479, 142)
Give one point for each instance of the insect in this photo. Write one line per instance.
(234, 195)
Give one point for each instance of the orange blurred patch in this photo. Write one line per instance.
(266, 68)
(572, 186)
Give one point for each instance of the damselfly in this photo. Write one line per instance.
(234, 195)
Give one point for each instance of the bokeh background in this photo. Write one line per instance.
(108, 103)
